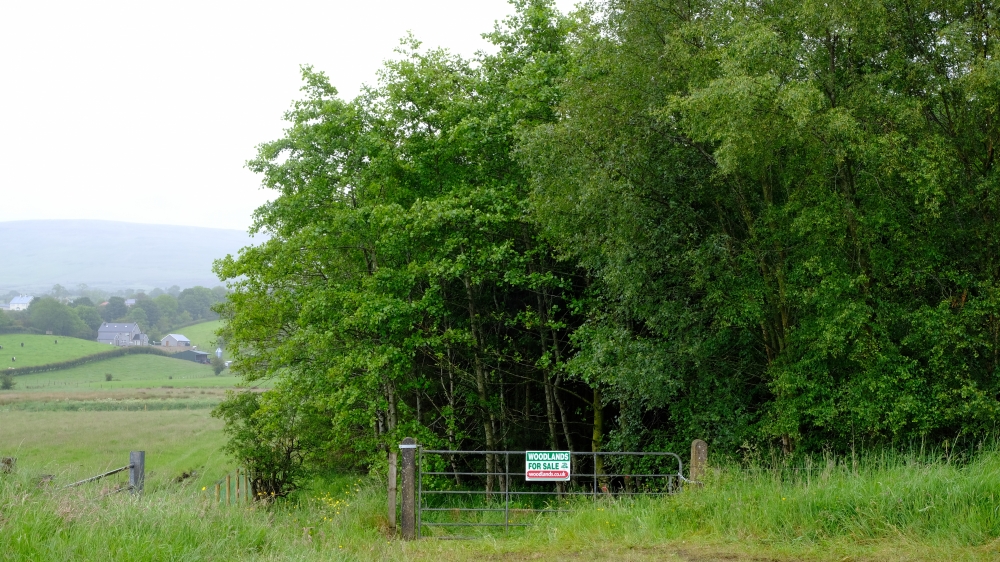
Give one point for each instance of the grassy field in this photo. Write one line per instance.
(901, 511)
(201, 335)
(41, 350)
(75, 444)
(66, 425)
(131, 371)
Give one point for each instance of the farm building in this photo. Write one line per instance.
(191, 355)
(21, 302)
(122, 334)
(175, 340)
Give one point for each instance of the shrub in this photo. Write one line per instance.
(218, 365)
(7, 381)
(279, 441)
(108, 377)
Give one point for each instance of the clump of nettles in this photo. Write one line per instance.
(7, 381)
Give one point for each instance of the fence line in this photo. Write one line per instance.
(136, 474)
(243, 488)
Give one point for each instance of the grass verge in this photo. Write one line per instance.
(888, 510)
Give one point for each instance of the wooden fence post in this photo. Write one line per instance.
(218, 492)
(229, 489)
(392, 491)
(408, 501)
(237, 485)
(137, 471)
(699, 461)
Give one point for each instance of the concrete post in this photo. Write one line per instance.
(137, 472)
(699, 460)
(408, 450)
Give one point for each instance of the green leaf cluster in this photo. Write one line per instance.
(768, 222)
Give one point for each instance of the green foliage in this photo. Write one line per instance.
(115, 310)
(402, 282)
(7, 381)
(278, 436)
(137, 315)
(198, 301)
(765, 223)
(49, 315)
(788, 220)
(90, 316)
(218, 365)
(82, 301)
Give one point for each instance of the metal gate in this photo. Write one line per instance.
(470, 495)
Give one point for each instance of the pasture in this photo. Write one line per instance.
(66, 425)
(129, 372)
(201, 335)
(42, 350)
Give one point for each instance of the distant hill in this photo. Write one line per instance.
(35, 255)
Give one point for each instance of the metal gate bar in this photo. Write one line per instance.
(673, 483)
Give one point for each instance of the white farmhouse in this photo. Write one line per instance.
(21, 302)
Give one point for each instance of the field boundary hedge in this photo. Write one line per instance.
(21, 330)
(100, 356)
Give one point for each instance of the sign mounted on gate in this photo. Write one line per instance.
(546, 466)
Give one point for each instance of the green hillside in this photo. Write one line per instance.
(201, 335)
(42, 350)
(132, 371)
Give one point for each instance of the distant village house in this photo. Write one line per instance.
(122, 334)
(175, 340)
(21, 302)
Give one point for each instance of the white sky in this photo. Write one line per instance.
(146, 111)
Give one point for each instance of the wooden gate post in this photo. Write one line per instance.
(408, 449)
(392, 491)
(699, 461)
(137, 471)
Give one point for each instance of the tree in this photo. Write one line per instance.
(150, 309)
(82, 301)
(766, 227)
(403, 282)
(168, 307)
(138, 315)
(115, 310)
(90, 316)
(197, 301)
(48, 314)
(218, 365)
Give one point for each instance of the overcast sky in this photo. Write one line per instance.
(146, 111)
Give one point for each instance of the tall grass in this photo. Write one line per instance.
(895, 508)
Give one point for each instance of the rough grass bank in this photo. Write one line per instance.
(884, 509)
